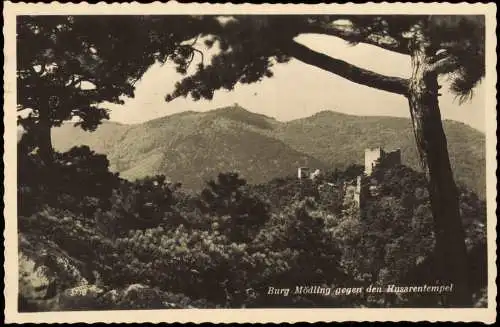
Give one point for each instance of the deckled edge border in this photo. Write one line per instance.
(248, 313)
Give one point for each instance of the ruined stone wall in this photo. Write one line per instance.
(350, 192)
(377, 156)
(353, 191)
(303, 172)
(372, 157)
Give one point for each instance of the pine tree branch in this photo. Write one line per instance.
(385, 42)
(346, 70)
(444, 65)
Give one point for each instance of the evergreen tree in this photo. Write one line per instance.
(68, 66)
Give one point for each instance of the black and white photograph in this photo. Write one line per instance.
(233, 159)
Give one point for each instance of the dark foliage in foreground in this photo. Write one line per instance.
(227, 245)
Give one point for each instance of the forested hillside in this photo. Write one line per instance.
(91, 240)
(191, 147)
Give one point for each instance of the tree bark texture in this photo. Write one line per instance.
(346, 70)
(43, 133)
(431, 142)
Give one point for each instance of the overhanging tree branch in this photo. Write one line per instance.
(385, 42)
(445, 65)
(346, 70)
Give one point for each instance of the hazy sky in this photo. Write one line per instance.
(300, 90)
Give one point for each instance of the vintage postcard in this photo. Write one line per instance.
(250, 163)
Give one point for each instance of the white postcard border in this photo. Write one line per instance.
(11, 10)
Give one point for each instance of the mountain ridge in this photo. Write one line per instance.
(319, 113)
(191, 147)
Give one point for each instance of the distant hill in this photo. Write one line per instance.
(191, 147)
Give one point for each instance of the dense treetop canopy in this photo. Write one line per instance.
(251, 45)
(69, 65)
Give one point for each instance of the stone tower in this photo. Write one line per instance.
(377, 156)
(372, 158)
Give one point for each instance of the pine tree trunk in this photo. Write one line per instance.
(431, 142)
(44, 139)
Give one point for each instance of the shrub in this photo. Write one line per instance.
(78, 180)
(145, 203)
(239, 213)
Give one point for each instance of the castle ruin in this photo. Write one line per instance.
(353, 191)
(378, 157)
(374, 157)
(305, 172)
